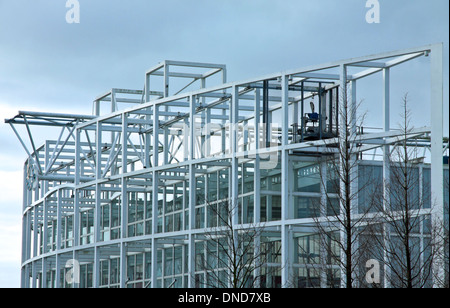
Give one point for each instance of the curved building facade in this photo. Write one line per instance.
(186, 183)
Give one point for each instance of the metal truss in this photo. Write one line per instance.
(170, 137)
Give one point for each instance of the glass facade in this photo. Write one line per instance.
(316, 264)
(189, 188)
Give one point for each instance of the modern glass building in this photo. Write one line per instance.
(166, 186)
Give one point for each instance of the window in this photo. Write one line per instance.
(110, 220)
(87, 227)
(307, 178)
(136, 206)
(307, 207)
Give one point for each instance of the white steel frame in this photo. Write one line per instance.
(107, 156)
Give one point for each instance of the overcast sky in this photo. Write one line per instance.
(47, 64)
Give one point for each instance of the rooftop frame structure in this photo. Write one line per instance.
(173, 145)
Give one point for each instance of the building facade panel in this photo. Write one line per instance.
(170, 190)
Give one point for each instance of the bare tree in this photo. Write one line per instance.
(234, 256)
(445, 234)
(405, 242)
(340, 220)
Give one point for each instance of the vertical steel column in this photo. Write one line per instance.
(97, 230)
(266, 112)
(124, 188)
(34, 274)
(155, 135)
(206, 147)
(147, 144)
(35, 231)
(98, 213)
(124, 143)
(257, 175)
(166, 79)
(286, 209)
(386, 100)
(422, 244)
(25, 245)
(147, 88)
(330, 111)
(45, 209)
(191, 259)
(155, 198)
(386, 172)
(97, 107)
(36, 191)
(58, 236)
(321, 114)
(29, 235)
(192, 189)
(186, 131)
(294, 118)
(166, 149)
(323, 213)
(206, 120)
(437, 171)
(23, 275)
(224, 76)
(302, 106)
(76, 280)
(96, 268)
(124, 214)
(113, 109)
(123, 265)
(98, 195)
(57, 271)
(46, 164)
(113, 104)
(44, 274)
(25, 237)
(24, 188)
(337, 99)
(343, 136)
(353, 111)
(257, 193)
(59, 219)
(154, 263)
(234, 174)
